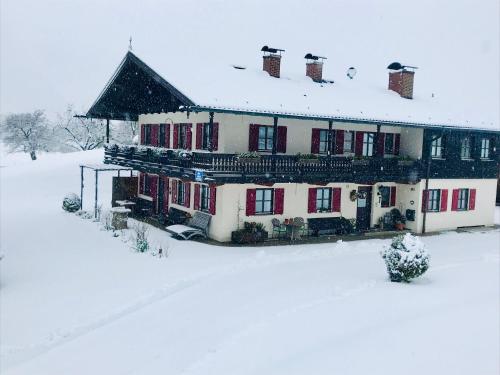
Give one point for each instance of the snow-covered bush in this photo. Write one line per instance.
(406, 258)
(141, 238)
(71, 202)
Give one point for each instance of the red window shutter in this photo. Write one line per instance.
(425, 199)
(167, 135)
(213, 196)
(199, 136)
(311, 201)
(397, 141)
(155, 135)
(315, 141)
(251, 202)
(253, 137)
(141, 183)
(380, 144)
(165, 194)
(187, 194)
(281, 146)
(444, 200)
(393, 196)
(176, 136)
(215, 136)
(358, 146)
(189, 137)
(339, 142)
(279, 201)
(153, 181)
(196, 204)
(454, 200)
(143, 134)
(336, 199)
(174, 191)
(472, 199)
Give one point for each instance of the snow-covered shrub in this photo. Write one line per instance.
(406, 258)
(71, 202)
(141, 238)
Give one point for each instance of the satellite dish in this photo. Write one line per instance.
(351, 72)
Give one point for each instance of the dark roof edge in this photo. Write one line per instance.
(345, 119)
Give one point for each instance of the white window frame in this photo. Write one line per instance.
(465, 148)
(463, 200)
(261, 197)
(368, 144)
(433, 200)
(485, 148)
(437, 148)
(323, 199)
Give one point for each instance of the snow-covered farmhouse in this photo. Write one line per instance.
(254, 144)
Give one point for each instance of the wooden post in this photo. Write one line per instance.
(81, 187)
(427, 176)
(95, 202)
(107, 130)
(211, 131)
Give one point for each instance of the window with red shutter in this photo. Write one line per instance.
(425, 200)
(213, 197)
(454, 199)
(281, 146)
(253, 137)
(197, 197)
(279, 201)
(315, 138)
(380, 144)
(176, 136)
(311, 200)
(199, 136)
(339, 142)
(250, 204)
(215, 136)
(472, 199)
(393, 196)
(358, 146)
(336, 199)
(187, 194)
(397, 141)
(174, 191)
(444, 200)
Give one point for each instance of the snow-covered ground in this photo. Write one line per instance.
(76, 300)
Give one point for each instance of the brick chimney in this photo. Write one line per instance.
(314, 67)
(271, 61)
(401, 80)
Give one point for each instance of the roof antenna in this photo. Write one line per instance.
(130, 44)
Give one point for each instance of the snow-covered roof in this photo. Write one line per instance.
(455, 45)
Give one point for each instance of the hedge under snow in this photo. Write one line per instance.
(406, 258)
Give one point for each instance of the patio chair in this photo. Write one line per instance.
(197, 226)
(298, 227)
(278, 228)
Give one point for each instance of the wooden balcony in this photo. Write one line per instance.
(229, 168)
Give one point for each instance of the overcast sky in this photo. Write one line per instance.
(54, 52)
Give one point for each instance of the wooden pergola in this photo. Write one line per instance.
(98, 168)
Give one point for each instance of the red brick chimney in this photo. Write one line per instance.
(314, 67)
(401, 80)
(271, 61)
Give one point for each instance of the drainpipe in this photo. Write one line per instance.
(211, 131)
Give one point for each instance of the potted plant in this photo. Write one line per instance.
(360, 160)
(251, 233)
(405, 161)
(307, 159)
(249, 158)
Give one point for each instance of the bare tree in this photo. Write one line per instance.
(26, 132)
(124, 131)
(81, 133)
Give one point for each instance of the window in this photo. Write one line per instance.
(485, 148)
(180, 193)
(389, 144)
(465, 148)
(182, 136)
(146, 184)
(463, 199)
(264, 201)
(162, 140)
(385, 195)
(265, 138)
(437, 147)
(323, 200)
(147, 134)
(323, 141)
(368, 144)
(205, 143)
(433, 202)
(205, 198)
(348, 142)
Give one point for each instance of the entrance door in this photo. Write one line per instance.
(163, 195)
(364, 209)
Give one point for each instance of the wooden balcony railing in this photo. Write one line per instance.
(229, 167)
